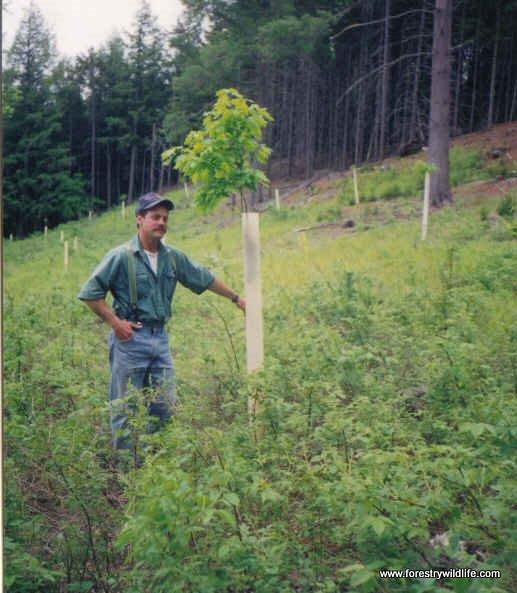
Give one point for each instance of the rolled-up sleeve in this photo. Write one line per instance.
(100, 282)
(192, 275)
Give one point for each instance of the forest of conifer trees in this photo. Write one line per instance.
(346, 82)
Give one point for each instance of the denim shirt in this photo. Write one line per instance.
(154, 291)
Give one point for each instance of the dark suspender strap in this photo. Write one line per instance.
(172, 258)
(131, 274)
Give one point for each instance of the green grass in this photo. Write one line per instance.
(405, 177)
(387, 410)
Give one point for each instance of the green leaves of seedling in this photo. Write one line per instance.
(221, 158)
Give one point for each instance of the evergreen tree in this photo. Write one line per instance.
(72, 107)
(88, 71)
(150, 77)
(114, 89)
(38, 183)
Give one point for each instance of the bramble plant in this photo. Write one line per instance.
(388, 419)
(220, 158)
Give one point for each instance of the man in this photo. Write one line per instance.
(142, 277)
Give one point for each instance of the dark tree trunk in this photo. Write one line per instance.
(92, 152)
(475, 72)
(142, 179)
(117, 177)
(344, 135)
(307, 119)
(70, 142)
(290, 129)
(359, 123)
(493, 77)
(405, 132)
(514, 102)
(459, 65)
(151, 166)
(360, 105)
(344, 153)
(416, 78)
(358, 126)
(108, 175)
(132, 168)
(331, 110)
(385, 79)
(509, 80)
(160, 185)
(439, 132)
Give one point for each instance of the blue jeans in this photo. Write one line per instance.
(143, 361)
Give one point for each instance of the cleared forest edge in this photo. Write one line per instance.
(346, 82)
(499, 142)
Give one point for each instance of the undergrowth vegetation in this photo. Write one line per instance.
(406, 176)
(386, 434)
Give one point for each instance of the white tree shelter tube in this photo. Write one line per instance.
(253, 293)
(65, 261)
(425, 211)
(356, 185)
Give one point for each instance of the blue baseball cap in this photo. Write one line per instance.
(150, 200)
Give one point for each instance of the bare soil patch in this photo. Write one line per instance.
(500, 136)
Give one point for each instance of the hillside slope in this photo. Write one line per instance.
(387, 437)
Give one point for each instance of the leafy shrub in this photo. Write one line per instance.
(385, 183)
(500, 168)
(329, 214)
(407, 177)
(465, 165)
(281, 214)
(386, 436)
(508, 205)
(381, 429)
(25, 573)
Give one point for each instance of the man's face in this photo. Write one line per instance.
(153, 222)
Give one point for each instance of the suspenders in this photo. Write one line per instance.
(131, 274)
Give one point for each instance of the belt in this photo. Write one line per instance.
(153, 325)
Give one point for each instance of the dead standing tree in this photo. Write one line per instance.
(439, 127)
